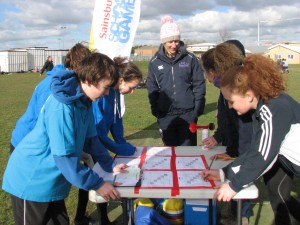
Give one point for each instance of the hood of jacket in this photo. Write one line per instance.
(65, 87)
(55, 69)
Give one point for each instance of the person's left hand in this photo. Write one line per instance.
(120, 168)
(224, 193)
(209, 142)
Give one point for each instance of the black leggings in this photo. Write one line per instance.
(39, 213)
(83, 198)
(279, 184)
(179, 135)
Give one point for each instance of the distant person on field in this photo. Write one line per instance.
(285, 66)
(176, 87)
(48, 66)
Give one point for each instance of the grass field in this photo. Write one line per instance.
(140, 129)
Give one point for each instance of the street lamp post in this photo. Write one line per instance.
(59, 39)
(63, 38)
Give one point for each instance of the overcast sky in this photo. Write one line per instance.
(62, 23)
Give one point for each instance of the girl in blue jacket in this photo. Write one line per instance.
(42, 91)
(107, 110)
(45, 164)
(108, 118)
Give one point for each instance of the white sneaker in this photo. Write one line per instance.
(245, 221)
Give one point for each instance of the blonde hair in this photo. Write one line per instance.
(257, 73)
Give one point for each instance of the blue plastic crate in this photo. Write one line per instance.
(200, 211)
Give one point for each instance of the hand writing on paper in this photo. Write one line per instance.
(120, 168)
(107, 191)
(211, 175)
(224, 193)
(209, 142)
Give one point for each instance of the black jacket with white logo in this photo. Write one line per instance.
(176, 86)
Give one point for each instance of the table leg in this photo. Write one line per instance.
(239, 212)
(131, 211)
(125, 214)
(210, 214)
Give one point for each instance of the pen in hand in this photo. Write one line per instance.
(212, 161)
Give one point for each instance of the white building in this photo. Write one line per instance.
(198, 49)
(27, 59)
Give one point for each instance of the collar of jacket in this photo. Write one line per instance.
(259, 105)
(181, 53)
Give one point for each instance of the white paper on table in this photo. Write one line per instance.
(157, 179)
(130, 162)
(131, 178)
(190, 163)
(109, 177)
(191, 179)
(166, 151)
(157, 162)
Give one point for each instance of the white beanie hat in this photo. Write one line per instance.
(169, 30)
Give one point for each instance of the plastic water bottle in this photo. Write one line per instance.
(205, 134)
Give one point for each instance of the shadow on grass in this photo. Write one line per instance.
(210, 107)
(152, 130)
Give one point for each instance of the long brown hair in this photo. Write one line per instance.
(257, 73)
(75, 55)
(208, 60)
(127, 70)
(226, 56)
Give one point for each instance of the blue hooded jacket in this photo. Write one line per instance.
(28, 120)
(46, 162)
(108, 118)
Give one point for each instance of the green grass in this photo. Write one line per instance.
(140, 129)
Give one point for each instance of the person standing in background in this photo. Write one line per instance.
(48, 65)
(176, 87)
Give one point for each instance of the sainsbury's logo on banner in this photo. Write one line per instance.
(114, 26)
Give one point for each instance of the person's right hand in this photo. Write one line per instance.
(108, 191)
(209, 142)
(211, 175)
(120, 168)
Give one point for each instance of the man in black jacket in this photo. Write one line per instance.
(176, 87)
(48, 66)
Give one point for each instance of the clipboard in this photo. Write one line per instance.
(130, 179)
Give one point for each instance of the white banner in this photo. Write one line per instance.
(113, 29)
(114, 26)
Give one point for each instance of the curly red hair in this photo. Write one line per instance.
(257, 73)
